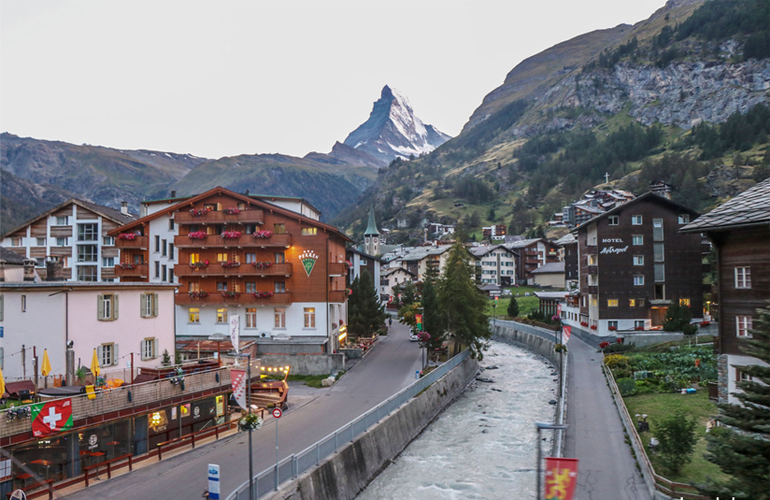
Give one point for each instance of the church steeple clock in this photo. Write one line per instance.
(372, 236)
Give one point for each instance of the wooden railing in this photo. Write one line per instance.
(138, 270)
(216, 269)
(245, 299)
(219, 217)
(108, 465)
(36, 490)
(243, 241)
(140, 242)
(175, 443)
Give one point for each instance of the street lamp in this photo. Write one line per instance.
(540, 426)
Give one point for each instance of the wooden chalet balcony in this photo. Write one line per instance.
(244, 299)
(216, 269)
(140, 243)
(589, 250)
(338, 296)
(593, 289)
(219, 217)
(138, 271)
(593, 269)
(244, 241)
(338, 269)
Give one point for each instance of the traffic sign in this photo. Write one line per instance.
(213, 482)
(277, 412)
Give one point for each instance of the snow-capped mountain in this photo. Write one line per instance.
(393, 130)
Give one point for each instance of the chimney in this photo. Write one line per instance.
(173, 194)
(124, 207)
(54, 269)
(2, 271)
(29, 269)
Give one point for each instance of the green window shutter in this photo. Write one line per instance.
(142, 305)
(115, 356)
(100, 354)
(115, 306)
(155, 306)
(100, 307)
(155, 347)
(1, 307)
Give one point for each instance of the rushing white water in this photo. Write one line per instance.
(484, 445)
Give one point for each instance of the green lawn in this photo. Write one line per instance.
(695, 405)
(526, 304)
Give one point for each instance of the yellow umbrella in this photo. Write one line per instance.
(95, 364)
(45, 369)
(2, 384)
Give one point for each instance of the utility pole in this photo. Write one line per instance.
(251, 451)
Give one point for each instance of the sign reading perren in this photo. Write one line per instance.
(308, 259)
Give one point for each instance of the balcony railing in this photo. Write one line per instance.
(593, 289)
(244, 299)
(216, 269)
(338, 296)
(138, 271)
(140, 242)
(593, 269)
(244, 241)
(220, 217)
(338, 269)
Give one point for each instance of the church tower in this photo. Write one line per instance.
(372, 236)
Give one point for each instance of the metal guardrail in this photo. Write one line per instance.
(291, 467)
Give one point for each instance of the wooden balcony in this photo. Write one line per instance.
(244, 241)
(219, 217)
(338, 296)
(245, 299)
(216, 269)
(338, 269)
(593, 289)
(140, 243)
(593, 269)
(138, 271)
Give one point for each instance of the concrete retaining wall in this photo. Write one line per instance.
(306, 364)
(347, 473)
(535, 339)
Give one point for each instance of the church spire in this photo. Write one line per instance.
(372, 235)
(371, 228)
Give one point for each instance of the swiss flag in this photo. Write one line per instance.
(51, 417)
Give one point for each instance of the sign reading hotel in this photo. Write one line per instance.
(613, 249)
(308, 259)
(51, 418)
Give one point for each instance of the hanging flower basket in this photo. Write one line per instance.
(560, 348)
(199, 212)
(201, 264)
(231, 235)
(231, 295)
(127, 236)
(250, 421)
(262, 234)
(593, 327)
(231, 211)
(19, 412)
(230, 264)
(263, 295)
(198, 235)
(262, 265)
(177, 377)
(127, 266)
(198, 294)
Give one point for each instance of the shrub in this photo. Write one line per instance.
(627, 386)
(619, 348)
(676, 434)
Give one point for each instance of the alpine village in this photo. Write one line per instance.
(604, 213)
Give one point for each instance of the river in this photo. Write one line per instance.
(484, 445)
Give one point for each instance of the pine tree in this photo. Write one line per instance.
(365, 313)
(742, 450)
(513, 307)
(432, 315)
(462, 303)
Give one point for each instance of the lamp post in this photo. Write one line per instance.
(540, 426)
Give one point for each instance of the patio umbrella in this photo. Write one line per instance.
(2, 384)
(95, 364)
(45, 368)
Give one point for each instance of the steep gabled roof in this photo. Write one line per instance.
(480, 251)
(646, 196)
(10, 257)
(751, 207)
(110, 213)
(550, 268)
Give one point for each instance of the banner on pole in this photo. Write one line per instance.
(239, 380)
(560, 478)
(235, 332)
(567, 333)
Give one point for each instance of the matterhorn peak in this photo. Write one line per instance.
(393, 130)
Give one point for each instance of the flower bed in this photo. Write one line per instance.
(198, 235)
(262, 234)
(127, 236)
(230, 235)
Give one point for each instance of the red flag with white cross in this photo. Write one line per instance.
(52, 417)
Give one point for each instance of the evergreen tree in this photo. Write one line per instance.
(743, 449)
(365, 313)
(432, 315)
(513, 307)
(462, 304)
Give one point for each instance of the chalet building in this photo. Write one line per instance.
(532, 253)
(633, 263)
(740, 232)
(392, 277)
(568, 252)
(496, 264)
(75, 233)
(358, 261)
(280, 272)
(495, 231)
(550, 275)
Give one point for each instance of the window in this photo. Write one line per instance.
(279, 228)
(592, 259)
(170, 250)
(684, 302)
(107, 354)
(612, 302)
(309, 231)
(87, 273)
(170, 274)
(1, 307)
(149, 348)
(210, 207)
(23, 303)
(221, 286)
(251, 258)
(107, 307)
(639, 324)
(638, 280)
(40, 242)
(108, 241)
(631, 302)
(280, 317)
(87, 253)
(148, 305)
(40, 262)
(251, 287)
(660, 272)
(61, 242)
(742, 277)
(222, 315)
(88, 232)
(594, 301)
(194, 315)
(171, 224)
(743, 376)
(660, 292)
(250, 228)
(612, 325)
(636, 220)
(638, 260)
(222, 256)
(251, 317)
(195, 258)
(62, 221)
(108, 261)
(163, 272)
(157, 269)
(614, 220)
(640, 302)
(2, 367)
(157, 243)
(637, 239)
(280, 287)
(659, 252)
(16, 242)
(310, 317)
(683, 219)
(742, 326)
(164, 247)
(657, 229)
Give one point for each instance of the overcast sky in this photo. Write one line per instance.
(220, 78)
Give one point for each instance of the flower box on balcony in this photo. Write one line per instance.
(613, 328)
(639, 328)
(198, 295)
(231, 295)
(199, 212)
(262, 234)
(262, 265)
(593, 327)
(231, 235)
(231, 211)
(263, 295)
(230, 264)
(127, 236)
(198, 235)
(127, 266)
(203, 264)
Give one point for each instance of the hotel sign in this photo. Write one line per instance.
(613, 249)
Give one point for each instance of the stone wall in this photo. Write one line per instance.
(537, 340)
(306, 364)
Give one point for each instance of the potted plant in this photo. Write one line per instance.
(250, 421)
(80, 374)
(166, 359)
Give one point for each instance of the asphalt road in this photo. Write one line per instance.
(595, 435)
(388, 367)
